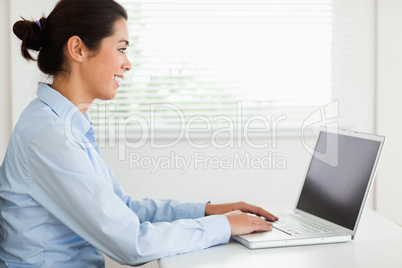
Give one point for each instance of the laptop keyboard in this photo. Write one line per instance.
(296, 225)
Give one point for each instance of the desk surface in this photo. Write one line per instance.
(378, 243)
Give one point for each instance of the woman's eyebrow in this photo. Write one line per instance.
(124, 41)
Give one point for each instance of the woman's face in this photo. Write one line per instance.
(104, 70)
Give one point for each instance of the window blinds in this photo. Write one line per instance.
(203, 65)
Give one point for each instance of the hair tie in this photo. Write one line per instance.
(40, 26)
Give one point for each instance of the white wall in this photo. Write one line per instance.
(24, 75)
(204, 180)
(389, 84)
(5, 107)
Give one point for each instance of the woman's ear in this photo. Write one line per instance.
(76, 49)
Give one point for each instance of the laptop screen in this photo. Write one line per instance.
(338, 177)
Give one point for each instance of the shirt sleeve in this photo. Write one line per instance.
(158, 210)
(63, 181)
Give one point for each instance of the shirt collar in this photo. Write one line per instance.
(63, 108)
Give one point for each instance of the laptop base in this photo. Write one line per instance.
(288, 241)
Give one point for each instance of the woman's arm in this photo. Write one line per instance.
(159, 210)
(63, 182)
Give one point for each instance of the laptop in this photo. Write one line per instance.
(335, 190)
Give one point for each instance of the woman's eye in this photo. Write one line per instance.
(123, 50)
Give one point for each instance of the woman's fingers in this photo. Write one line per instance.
(212, 209)
(257, 211)
(243, 223)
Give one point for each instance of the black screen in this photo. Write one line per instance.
(338, 177)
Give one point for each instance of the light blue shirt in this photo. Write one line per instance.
(60, 204)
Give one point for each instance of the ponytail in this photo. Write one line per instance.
(30, 33)
(91, 20)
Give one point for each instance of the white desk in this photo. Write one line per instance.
(378, 243)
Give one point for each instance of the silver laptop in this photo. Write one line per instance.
(335, 190)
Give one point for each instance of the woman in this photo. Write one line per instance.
(60, 203)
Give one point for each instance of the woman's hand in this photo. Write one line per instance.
(214, 209)
(240, 221)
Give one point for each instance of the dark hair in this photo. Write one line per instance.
(91, 20)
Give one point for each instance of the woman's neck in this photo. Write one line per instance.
(74, 91)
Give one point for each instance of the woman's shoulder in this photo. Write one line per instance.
(37, 116)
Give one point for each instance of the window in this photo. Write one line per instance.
(201, 66)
